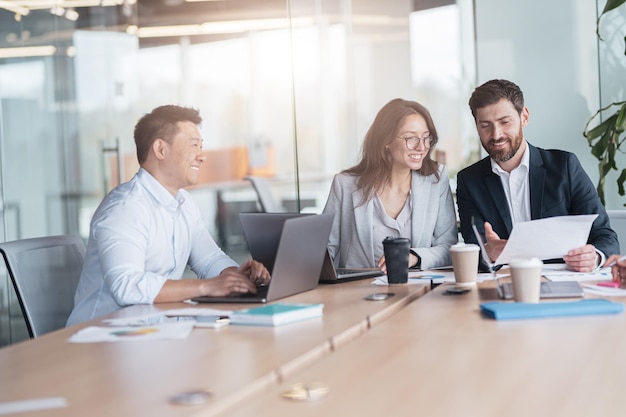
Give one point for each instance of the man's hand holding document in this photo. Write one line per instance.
(547, 238)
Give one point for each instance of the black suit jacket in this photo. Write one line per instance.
(558, 186)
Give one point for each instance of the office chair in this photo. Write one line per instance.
(266, 199)
(45, 272)
(618, 224)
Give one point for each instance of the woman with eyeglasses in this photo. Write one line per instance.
(396, 190)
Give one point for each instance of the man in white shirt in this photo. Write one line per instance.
(519, 182)
(146, 231)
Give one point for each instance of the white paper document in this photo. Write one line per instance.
(166, 316)
(35, 404)
(595, 289)
(93, 334)
(434, 276)
(560, 272)
(547, 238)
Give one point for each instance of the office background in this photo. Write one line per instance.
(287, 90)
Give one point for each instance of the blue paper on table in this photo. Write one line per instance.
(506, 311)
(276, 314)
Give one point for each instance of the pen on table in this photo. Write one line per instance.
(622, 259)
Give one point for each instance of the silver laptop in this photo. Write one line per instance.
(298, 262)
(549, 289)
(262, 232)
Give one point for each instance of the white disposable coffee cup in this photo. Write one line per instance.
(465, 263)
(526, 279)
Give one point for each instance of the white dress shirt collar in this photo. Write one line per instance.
(516, 187)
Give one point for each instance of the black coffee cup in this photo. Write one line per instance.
(397, 259)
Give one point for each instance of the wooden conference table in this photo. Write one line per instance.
(440, 357)
(138, 378)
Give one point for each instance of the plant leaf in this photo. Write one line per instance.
(620, 182)
(600, 187)
(600, 147)
(620, 121)
(601, 128)
(604, 169)
(610, 152)
(612, 4)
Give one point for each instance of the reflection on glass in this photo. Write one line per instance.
(287, 92)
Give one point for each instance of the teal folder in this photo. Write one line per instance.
(507, 310)
(276, 314)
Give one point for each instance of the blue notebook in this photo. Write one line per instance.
(276, 314)
(506, 310)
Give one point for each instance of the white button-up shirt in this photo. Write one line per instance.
(516, 188)
(140, 237)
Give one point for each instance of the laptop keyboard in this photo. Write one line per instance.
(342, 272)
(261, 292)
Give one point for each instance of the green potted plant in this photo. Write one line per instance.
(606, 137)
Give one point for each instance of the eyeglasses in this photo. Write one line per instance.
(412, 142)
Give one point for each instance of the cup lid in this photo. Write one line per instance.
(464, 247)
(525, 263)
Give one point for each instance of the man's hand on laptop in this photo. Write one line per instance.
(255, 271)
(228, 282)
(494, 245)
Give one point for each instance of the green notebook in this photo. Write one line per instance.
(276, 314)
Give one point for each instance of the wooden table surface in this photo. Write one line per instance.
(440, 357)
(138, 378)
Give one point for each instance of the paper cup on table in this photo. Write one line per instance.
(465, 263)
(526, 279)
(397, 259)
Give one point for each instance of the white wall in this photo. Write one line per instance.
(550, 49)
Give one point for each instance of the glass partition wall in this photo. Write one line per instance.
(45, 139)
(287, 90)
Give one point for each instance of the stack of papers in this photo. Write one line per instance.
(276, 314)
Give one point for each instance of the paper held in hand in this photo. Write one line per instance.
(547, 238)
(276, 314)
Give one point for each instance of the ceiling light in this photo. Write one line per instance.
(131, 30)
(27, 51)
(12, 7)
(47, 4)
(160, 31)
(212, 28)
(238, 26)
(71, 14)
(57, 11)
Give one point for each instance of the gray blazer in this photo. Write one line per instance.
(433, 221)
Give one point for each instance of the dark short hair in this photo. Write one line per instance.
(162, 122)
(493, 91)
